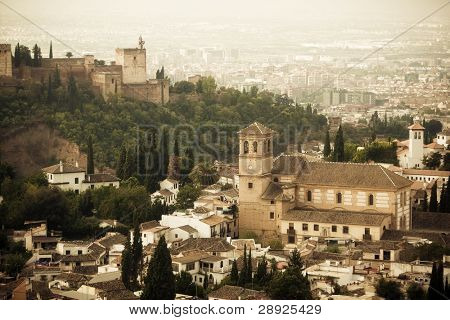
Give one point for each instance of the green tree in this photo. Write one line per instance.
(234, 275)
(90, 157)
(160, 281)
(204, 174)
(415, 292)
(425, 202)
(37, 56)
(136, 250)
(388, 289)
(261, 275)
(187, 195)
(183, 87)
(249, 267)
(69, 54)
(121, 163)
(338, 152)
(295, 260)
(72, 93)
(205, 281)
(243, 274)
(432, 161)
(433, 198)
(327, 147)
(86, 203)
(183, 283)
(127, 266)
(443, 200)
(289, 285)
(436, 290)
(50, 94)
(57, 78)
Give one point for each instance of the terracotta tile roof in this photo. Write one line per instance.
(189, 257)
(166, 193)
(272, 191)
(237, 293)
(86, 270)
(97, 250)
(111, 239)
(400, 235)
(79, 258)
(66, 168)
(239, 244)
(201, 209)
(336, 217)
(352, 175)
(256, 128)
(113, 290)
(149, 225)
(434, 145)
(205, 244)
(416, 126)
(213, 220)
(188, 229)
(288, 164)
(424, 172)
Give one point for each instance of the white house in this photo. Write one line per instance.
(167, 193)
(443, 138)
(151, 232)
(68, 177)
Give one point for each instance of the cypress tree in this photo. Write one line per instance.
(327, 147)
(57, 78)
(425, 202)
(49, 89)
(121, 163)
(127, 271)
(176, 148)
(90, 157)
(136, 255)
(72, 93)
(205, 281)
(234, 276)
(50, 55)
(164, 152)
(243, 274)
(160, 281)
(17, 56)
(338, 155)
(130, 164)
(442, 200)
(261, 272)
(249, 267)
(295, 260)
(433, 198)
(436, 288)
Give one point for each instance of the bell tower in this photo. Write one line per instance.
(415, 148)
(255, 162)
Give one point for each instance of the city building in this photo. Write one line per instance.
(292, 199)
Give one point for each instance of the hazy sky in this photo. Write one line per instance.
(234, 9)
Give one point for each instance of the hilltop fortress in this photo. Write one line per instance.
(126, 76)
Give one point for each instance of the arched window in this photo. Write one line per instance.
(309, 195)
(255, 146)
(370, 199)
(268, 145)
(339, 197)
(245, 146)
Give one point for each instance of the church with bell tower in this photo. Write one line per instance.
(289, 198)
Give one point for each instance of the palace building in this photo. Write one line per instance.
(291, 198)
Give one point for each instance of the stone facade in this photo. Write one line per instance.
(291, 198)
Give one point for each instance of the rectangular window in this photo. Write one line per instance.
(76, 180)
(92, 186)
(250, 185)
(366, 231)
(316, 227)
(333, 228)
(272, 216)
(190, 266)
(377, 257)
(80, 252)
(67, 252)
(291, 238)
(345, 229)
(305, 227)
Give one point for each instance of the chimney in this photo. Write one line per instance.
(60, 166)
(76, 164)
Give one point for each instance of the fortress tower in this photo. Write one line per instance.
(134, 64)
(5, 60)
